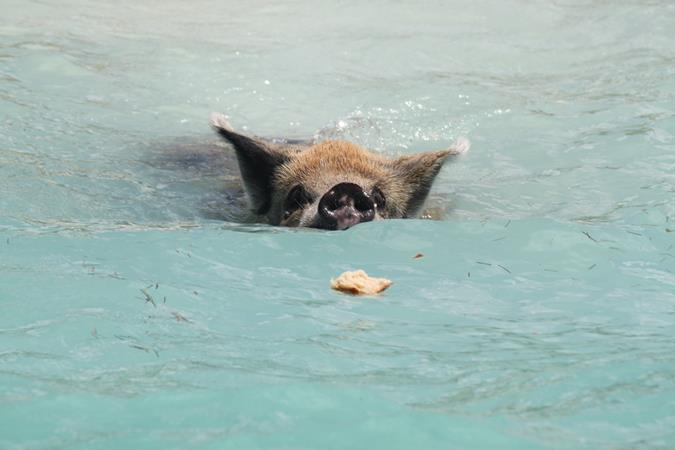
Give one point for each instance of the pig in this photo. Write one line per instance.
(331, 185)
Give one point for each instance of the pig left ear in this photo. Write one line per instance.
(419, 171)
(257, 159)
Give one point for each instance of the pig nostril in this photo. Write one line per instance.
(332, 201)
(327, 212)
(363, 203)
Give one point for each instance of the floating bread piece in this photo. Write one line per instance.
(359, 283)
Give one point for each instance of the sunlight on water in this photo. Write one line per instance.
(138, 311)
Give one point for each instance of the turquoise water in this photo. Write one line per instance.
(136, 313)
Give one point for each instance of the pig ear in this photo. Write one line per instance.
(419, 171)
(258, 160)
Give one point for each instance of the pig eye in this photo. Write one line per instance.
(297, 198)
(378, 198)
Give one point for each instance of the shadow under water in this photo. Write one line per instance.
(201, 171)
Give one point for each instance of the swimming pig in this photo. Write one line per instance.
(332, 184)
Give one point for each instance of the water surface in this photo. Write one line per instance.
(137, 311)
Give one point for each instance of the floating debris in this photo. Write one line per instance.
(418, 256)
(507, 270)
(359, 283)
(588, 235)
(145, 349)
(180, 318)
(148, 298)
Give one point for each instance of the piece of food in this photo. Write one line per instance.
(359, 283)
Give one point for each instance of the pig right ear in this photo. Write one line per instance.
(257, 159)
(419, 171)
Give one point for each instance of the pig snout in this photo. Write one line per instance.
(345, 205)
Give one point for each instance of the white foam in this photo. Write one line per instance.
(460, 146)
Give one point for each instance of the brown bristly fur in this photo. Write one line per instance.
(270, 172)
(327, 163)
